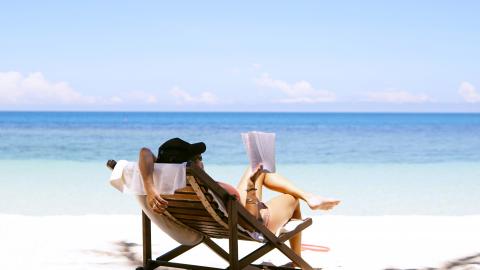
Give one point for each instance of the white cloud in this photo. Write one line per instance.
(397, 96)
(183, 97)
(34, 88)
(298, 92)
(469, 93)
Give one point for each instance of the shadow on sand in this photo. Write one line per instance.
(126, 250)
(465, 263)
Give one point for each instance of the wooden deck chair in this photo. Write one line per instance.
(195, 207)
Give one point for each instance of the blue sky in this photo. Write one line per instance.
(247, 56)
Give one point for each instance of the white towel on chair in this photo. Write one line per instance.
(167, 177)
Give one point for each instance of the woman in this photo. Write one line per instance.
(273, 213)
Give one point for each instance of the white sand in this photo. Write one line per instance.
(355, 242)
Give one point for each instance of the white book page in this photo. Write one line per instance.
(260, 148)
(252, 150)
(266, 147)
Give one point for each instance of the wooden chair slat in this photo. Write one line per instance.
(208, 226)
(212, 231)
(197, 222)
(204, 187)
(209, 231)
(181, 197)
(218, 236)
(189, 205)
(205, 180)
(195, 212)
(181, 210)
(189, 190)
(186, 197)
(185, 190)
(192, 217)
(206, 203)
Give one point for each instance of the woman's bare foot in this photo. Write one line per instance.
(316, 202)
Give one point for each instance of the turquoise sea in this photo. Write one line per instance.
(377, 164)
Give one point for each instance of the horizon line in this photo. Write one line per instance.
(319, 112)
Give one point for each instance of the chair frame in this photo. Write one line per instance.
(235, 211)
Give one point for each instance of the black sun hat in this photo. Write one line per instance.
(177, 150)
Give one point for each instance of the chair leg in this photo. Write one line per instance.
(172, 254)
(293, 256)
(147, 240)
(216, 248)
(268, 247)
(233, 241)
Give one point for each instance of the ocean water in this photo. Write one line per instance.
(377, 164)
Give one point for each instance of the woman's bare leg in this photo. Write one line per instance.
(276, 182)
(281, 184)
(281, 209)
(296, 241)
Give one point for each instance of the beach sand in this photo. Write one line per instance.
(354, 242)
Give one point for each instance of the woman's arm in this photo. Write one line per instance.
(252, 201)
(251, 204)
(146, 165)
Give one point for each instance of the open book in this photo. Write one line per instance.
(260, 148)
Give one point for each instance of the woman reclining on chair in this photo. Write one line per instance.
(273, 213)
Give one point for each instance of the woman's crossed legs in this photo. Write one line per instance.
(285, 206)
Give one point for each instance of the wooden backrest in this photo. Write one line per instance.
(195, 207)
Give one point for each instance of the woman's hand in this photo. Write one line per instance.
(257, 173)
(156, 202)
